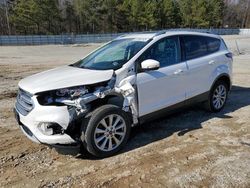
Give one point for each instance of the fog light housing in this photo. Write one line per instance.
(50, 128)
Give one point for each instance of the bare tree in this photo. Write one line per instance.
(7, 16)
(246, 14)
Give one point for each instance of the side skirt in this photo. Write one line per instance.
(174, 108)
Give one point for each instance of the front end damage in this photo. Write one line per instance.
(80, 106)
(57, 115)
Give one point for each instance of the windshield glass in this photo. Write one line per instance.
(112, 55)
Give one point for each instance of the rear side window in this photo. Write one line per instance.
(195, 46)
(198, 46)
(213, 44)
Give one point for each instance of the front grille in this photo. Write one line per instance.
(24, 103)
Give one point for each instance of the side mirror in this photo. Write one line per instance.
(150, 64)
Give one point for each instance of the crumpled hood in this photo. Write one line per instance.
(63, 77)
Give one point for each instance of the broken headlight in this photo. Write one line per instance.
(71, 92)
(57, 96)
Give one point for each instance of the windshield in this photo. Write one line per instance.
(112, 55)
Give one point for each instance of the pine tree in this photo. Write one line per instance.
(105, 16)
(34, 16)
(199, 14)
(168, 14)
(70, 18)
(215, 13)
(147, 20)
(186, 12)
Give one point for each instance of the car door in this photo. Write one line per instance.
(166, 86)
(200, 61)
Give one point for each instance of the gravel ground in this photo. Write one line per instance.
(193, 148)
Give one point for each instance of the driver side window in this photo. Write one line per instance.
(166, 51)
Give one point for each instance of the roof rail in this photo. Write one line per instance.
(160, 33)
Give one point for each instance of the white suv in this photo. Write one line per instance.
(132, 79)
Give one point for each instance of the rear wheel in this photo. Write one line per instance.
(217, 97)
(106, 131)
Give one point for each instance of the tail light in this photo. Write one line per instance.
(229, 55)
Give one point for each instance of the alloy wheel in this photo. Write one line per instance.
(110, 132)
(219, 96)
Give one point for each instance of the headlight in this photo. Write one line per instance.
(72, 92)
(56, 96)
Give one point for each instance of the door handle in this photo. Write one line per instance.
(212, 62)
(177, 72)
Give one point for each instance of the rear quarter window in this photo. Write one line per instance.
(198, 46)
(213, 44)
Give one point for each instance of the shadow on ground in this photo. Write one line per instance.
(185, 121)
(182, 122)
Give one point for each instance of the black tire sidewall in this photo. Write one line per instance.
(95, 118)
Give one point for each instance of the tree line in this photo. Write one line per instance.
(105, 16)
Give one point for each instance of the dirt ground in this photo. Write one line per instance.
(193, 148)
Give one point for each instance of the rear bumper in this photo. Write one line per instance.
(30, 122)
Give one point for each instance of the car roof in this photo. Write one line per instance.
(161, 34)
(191, 33)
(137, 36)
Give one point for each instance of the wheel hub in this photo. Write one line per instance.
(219, 96)
(110, 132)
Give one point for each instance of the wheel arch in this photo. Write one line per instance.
(224, 77)
(114, 99)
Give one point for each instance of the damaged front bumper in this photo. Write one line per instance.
(51, 124)
(34, 123)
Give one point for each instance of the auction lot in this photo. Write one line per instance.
(192, 148)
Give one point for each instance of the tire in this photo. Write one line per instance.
(102, 137)
(215, 95)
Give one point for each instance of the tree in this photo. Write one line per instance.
(134, 9)
(202, 13)
(69, 18)
(245, 9)
(123, 24)
(186, 12)
(23, 17)
(105, 16)
(88, 12)
(3, 23)
(215, 13)
(139, 14)
(50, 15)
(35, 16)
(148, 20)
(169, 15)
(199, 14)
(237, 15)
(109, 15)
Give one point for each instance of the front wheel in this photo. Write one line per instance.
(106, 131)
(217, 97)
